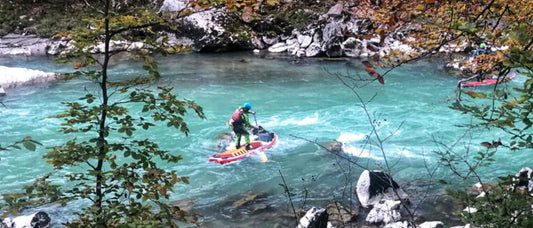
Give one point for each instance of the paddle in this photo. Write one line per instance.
(253, 113)
(262, 154)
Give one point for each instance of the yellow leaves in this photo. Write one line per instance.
(162, 191)
(512, 103)
(127, 19)
(420, 7)
(78, 65)
(474, 94)
(171, 50)
(272, 2)
(62, 35)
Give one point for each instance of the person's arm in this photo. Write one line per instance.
(246, 120)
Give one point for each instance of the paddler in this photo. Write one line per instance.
(481, 50)
(239, 122)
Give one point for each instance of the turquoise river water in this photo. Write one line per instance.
(300, 101)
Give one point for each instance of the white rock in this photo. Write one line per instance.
(270, 40)
(465, 226)
(313, 50)
(311, 218)
(172, 5)
(432, 224)
(352, 47)
(207, 20)
(403, 224)
(304, 40)
(292, 46)
(279, 47)
(300, 52)
(369, 183)
(470, 210)
(384, 212)
(39, 219)
(481, 195)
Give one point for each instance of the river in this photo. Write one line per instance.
(301, 100)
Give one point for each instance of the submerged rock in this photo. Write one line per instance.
(335, 147)
(245, 200)
(184, 204)
(339, 215)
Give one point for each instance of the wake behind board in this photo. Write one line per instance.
(262, 143)
(489, 81)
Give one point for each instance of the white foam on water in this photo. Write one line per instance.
(18, 74)
(406, 153)
(308, 120)
(359, 152)
(346, 137)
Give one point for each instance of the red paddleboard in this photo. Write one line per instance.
(242, 152)
(490, 81)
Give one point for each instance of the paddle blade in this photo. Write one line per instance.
(263, 156)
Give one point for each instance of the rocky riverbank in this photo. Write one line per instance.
(335, 33)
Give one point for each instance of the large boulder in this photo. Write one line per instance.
(313, 50)
(524, 180)
(29, 45)
(279, 47)
(35, 220)
(207, 29)
(314, 218)
(304, 40)
(172, 5)
(332, 37)
(375, 186)
(336, 10)
(352, 47)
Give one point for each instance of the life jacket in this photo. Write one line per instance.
(237, 116)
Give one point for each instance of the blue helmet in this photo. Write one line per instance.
(247, 105)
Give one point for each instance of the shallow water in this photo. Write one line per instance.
(299, 100)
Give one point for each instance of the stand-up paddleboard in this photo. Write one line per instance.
(489, 81)
(263, 140)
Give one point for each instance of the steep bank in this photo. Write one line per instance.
(300, 28)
